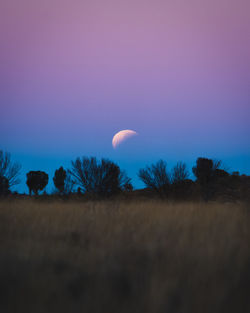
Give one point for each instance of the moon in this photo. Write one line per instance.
(122, 136)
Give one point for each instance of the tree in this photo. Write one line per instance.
(8, 169)
(36, 181)
(179, 173)
(203, 170)
(207, 169)
(207, 172)
(59, 179)
(156, 177)
(103, 178)
(4, 186)
(69, 184)
(128, 187)
(181, 188)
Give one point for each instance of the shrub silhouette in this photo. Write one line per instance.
(8, 169)
(182, 187)
(156, 177)
(207, 172)
(102, 178)
(36, 181)
(59, 179)
(179, 173)
(4, 186)
(232, 187)
(128, 187)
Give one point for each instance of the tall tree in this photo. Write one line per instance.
(8, 169)
(59, 179)
(36, 181)
(207, 171)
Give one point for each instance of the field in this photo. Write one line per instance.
(124, 256)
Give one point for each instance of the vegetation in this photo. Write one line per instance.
(156, 177)
(9, 171)
(4, 186)
(123, 256)
(102, 178)
(212, 182)
(91, 178)
(167, 248)
(59, 179)
(179, 173)
(36, 181)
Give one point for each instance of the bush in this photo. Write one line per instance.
(155, 177)
(9, 169)
(102, 178)
(37, 181)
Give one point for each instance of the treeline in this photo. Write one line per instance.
(90, 177)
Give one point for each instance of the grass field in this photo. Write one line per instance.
(121, 256)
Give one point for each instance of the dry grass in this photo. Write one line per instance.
(124, 257)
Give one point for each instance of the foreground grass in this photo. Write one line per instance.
(124, 257)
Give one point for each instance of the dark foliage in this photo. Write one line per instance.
(8, 169)
(183, 190)
(182, 187)
(232, 187)
(36, 181)
(156, 177)
(205, 170)
(102, 178)
(69, 184)
(179, 173)
(207, 173)
(4, 186)
(128, 187)
(59, 179)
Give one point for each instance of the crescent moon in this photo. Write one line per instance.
(121, 136)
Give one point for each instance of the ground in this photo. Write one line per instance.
(124, 256)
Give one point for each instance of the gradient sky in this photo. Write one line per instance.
(74, 72)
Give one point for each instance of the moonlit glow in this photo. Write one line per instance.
(121, 136)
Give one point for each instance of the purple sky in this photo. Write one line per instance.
(73, 72)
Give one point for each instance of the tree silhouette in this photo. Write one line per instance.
(4, 186)
(59, 179)
(179, 173)
(69, 184)
(128, 187)
(156, 177)
(181, 188)
(103, 178)
(207, 172)
(8, 169)
(36, 181)
(206, 169)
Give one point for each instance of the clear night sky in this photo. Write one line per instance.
(74, 72)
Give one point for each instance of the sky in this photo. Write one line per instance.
(74, 72)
